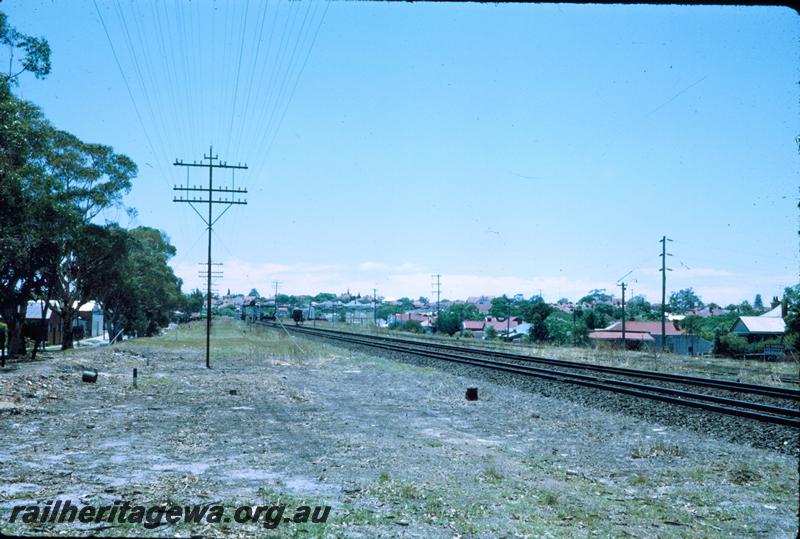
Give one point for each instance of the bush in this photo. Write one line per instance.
(411, 325)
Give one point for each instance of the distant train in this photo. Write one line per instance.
(297, 316)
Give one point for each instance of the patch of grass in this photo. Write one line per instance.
(639, 480)
(743, 474)
(658, 449)
(492, 475)
(549, 498)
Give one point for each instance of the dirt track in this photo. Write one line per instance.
(394, 448)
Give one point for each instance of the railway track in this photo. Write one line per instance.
(551, 369)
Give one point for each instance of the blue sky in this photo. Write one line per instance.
(509, 148)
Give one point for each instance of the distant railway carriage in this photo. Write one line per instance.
(297, 315)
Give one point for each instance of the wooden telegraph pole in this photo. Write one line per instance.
(209, 192)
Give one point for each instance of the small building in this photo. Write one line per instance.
(647, 335)
(473, 326)
(769, 325)
(32, 327)
(90, 319)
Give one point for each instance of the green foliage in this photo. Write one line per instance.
(228, 311)
(540, 332)
(758, 303)
(528, 310)
(558, 327)
(324, 296)
(490, 333)
(254, 293)
(638, 308)
(146, 291)
(192, 302)
(34, 57)
(464, 311)
(448, 322)
(598, 295)
(791, 308)
(684, 300)
(383, 312)
(734, 345)
(692, 324)
(409, 325)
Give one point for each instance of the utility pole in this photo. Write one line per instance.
(375, 307)
(437, 284)
(276, 283)
(664, 270)
(210, 221)
(624, 342)
(508, 320)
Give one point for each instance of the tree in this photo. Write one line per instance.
(27, 241)
(598, 295)
(448, 322)
(683, 301)
(539, 332)
(500, 306)
(34, 53)
(254, 293)
(146, 292)
(790, 308)
(192, 302)
(638, 308)
(693, 325)
(559, 329)
(465, 311)
(88, 178)
(490, 333)
(758, 303)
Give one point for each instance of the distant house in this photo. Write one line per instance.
(90, 319)
(757, 328)
(426, 320)
(502, 325)
(512, 329)
(708, 312)
(647, 335)
(473, 326)
(33, 323)
(483, 308)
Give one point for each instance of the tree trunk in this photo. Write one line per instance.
(67, 316)
(14, 320)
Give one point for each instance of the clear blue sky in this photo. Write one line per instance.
(510, 148)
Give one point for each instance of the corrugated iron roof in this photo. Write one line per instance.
(617, 335)
(762, 324)
(651, 327)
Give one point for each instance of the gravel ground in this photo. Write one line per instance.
(392, 446)
(758, 434)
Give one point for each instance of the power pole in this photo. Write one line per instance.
(624, 343)
(210, 191)
(276, 283)
(664, 270)
(437, 290)
(375, 307)
(508, 320)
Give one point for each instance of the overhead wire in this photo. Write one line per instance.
(127, 85)
(285, 78)
(238, 74)
(297, 79)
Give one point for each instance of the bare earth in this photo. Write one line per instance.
(395, 449)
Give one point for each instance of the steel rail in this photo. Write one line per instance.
(723, 405)
(738, 387)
